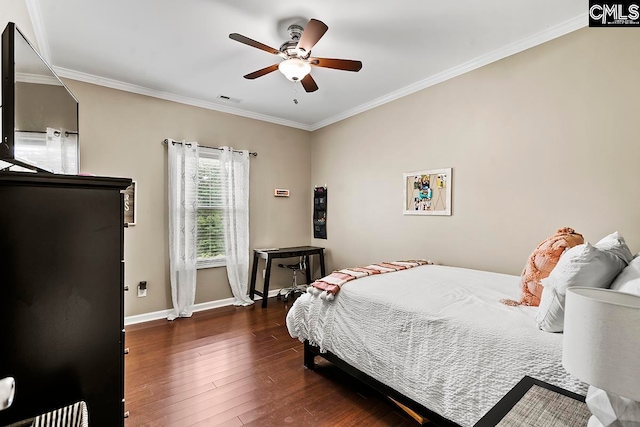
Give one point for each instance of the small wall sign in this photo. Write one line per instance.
(279, 192)
(130, 204)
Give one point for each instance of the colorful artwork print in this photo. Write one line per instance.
(428, 192)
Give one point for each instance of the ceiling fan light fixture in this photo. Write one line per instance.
(294, 69)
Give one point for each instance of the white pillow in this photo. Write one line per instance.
(615, 244)
(582, 265)
(629, 280)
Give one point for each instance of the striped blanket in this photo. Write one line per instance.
(70, 416)
(328, 286)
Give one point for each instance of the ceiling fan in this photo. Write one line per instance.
(297, 55)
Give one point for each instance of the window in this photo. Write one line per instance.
(210, 211)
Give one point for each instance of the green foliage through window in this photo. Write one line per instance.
(210, 243)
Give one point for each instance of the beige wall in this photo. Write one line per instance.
(540, 140)
(121, 134)
(39, 106)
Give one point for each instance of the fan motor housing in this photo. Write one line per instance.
(289, 47)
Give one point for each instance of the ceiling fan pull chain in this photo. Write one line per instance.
(295, 93)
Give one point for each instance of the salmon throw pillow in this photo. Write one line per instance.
(540, 263)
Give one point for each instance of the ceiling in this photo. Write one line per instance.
(180, 50)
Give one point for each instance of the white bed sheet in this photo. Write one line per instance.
(438, 335)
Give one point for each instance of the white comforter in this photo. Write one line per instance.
(438, 335)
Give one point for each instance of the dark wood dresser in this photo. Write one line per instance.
(61, 294)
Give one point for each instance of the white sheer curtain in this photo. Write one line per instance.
(62, 151)
(69, 148)
(183, 225)
(235, 201)
(54, 150)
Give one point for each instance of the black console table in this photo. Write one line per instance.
(270, 254)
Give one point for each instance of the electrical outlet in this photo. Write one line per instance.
(142, 289)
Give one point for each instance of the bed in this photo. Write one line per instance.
(435, 336)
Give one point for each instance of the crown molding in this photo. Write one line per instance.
(38, 27)
(38, 79)
(544, 36)
(141, 90)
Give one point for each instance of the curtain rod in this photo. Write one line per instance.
(67, 133)
(251, 153)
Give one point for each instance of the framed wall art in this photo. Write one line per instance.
(428, 192)
(130, 194)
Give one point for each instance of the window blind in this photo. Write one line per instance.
(210, 210)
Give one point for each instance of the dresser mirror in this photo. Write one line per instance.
(39, 113)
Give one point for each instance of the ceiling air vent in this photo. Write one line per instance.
(229, 99)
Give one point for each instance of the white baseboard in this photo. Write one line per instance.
(162, 314)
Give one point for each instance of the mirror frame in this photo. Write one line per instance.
(8, 93)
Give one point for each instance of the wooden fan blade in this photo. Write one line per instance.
(262, 72)
(312, 33)
(246, 40)
(309, 84)
(338, 64)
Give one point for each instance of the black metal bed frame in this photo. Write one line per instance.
(310, 353)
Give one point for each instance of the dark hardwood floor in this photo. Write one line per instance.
(238, 366)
